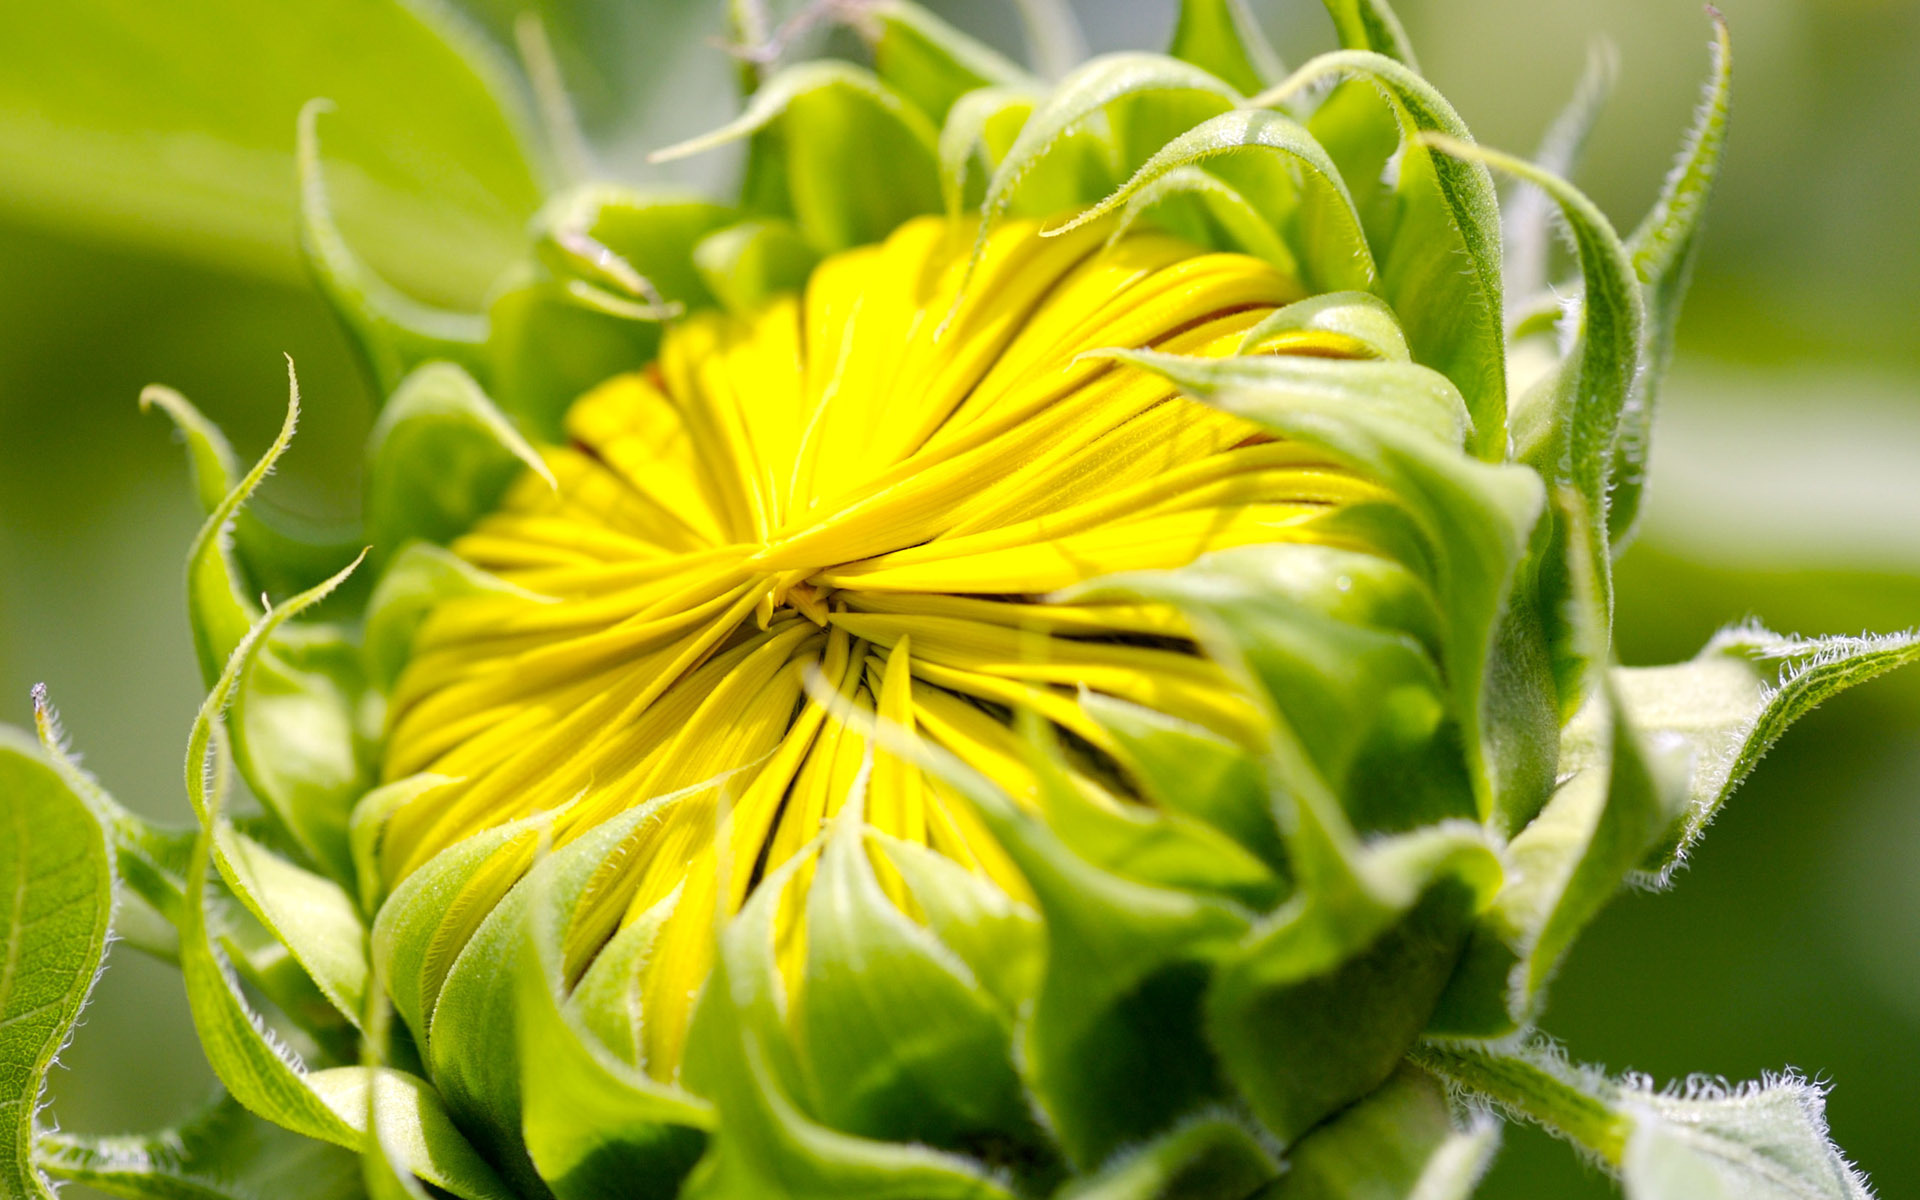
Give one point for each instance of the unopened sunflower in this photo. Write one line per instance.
(1058, 645)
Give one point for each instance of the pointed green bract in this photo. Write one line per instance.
(858, 158)
(1401, 1143)
(1223, 38)
(1208, 1159)
(1664, 248)
(221, 1152)
(1766, 1140)
(1442, 209)
(439, 458)
(929, 61)
(1318, 222)
(1732, 702)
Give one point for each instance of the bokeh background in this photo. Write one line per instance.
(1786, 481)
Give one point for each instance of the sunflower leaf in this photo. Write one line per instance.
(439, 457)
(1436, 211)
(929, 61)
(393, 331)
(1399, 1143)
(592, 1122)
(858, 159)
(1259, 154)
(1566, 864)
(1732, 702)
(766, 1142)
(1223, 38)
(1568, 428)
(1664, 248)
(295, 728)
(1371, 25)
(175, 128)
(745, 265)
(417, 578)
(1205, 1159)
(222, 1152)
(1144, 99)
(1759, 1141)
(56, 870)
(1475, 521)
(916, 1052)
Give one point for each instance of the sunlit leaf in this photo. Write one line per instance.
(56, 874)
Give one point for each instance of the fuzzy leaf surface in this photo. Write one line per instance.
(56, 886)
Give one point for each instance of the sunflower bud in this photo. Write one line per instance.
(1041, 650)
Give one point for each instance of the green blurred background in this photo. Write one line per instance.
(1786, 483)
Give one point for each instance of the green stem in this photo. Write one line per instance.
(1535, 1092)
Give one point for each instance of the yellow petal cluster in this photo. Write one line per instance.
(871, 490)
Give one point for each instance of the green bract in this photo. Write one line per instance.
(1306, 967)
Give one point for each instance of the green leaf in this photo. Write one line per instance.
(1371, 25)
(1759, 1141)
(929, 61)
(1399, 1143)
(423, 926)
(899, 1040)
(1154, 846)
(981, 130)
(288, 555)
(300, 740)
(1316, 1007)
(1127, 965)
(1359, 690)
(296, 726)
(1526, 218)
(1474, 521)
(417, 579)
(1181, 766)
(260, 1073)
(1569, 425)
(611, 262)
(595, 1123)
(393, 331)
(1439, 210)
(1362, 316)
(220, 607)
(1664, 248)
(222, 1152)
(1222, 38)
(999, 939)
(1733, 701)
(413, 1126)
(744, 265)
(56, 874)
(174, 128)
(766, 1143)
(1765, 1141)
(1259, 155)
(313, 917)
(439, 458)
(1616, 799)
(858, 158)
(1206, 210)
(521, 1106)
(1145, 99)
(1209, 1159)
